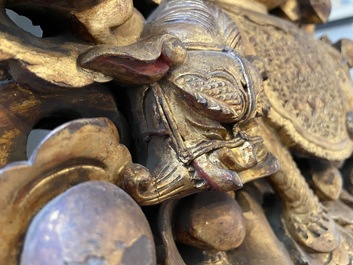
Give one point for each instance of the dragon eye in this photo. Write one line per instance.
(216, 95)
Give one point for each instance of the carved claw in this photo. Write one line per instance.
(306, 218)
(316, 231)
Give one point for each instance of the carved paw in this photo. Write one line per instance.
(315, 231)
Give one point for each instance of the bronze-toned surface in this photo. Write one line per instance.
(149, 59)
(67, 157)
(29, 55)
(345, 46)
(103, 20)
(261, 246)
(216, 96)
(96, 219)
(165, 223)
(315, 11)
(57, 4)
(328, 182)
(180, 120)
(210, 221)
(24, 55)
(271, 4)
(23, 108)
(296, 119)
(304, 216)
(289, 10)
(300, 104)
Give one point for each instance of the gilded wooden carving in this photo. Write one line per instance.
(227, 121)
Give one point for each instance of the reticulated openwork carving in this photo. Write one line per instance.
(226, 120)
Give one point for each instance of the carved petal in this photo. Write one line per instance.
(78, 151)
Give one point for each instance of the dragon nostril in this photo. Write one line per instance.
(174, 52)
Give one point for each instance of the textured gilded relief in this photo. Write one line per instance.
(183, 132)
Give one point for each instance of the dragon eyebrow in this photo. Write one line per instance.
(249, 83)
(249, 88)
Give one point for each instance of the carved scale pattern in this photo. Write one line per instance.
(303, 86)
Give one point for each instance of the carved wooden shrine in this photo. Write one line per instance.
(182, 132)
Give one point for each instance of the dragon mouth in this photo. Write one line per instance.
(218, 178)
(228, 169)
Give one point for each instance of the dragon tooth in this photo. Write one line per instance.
(201, 99)
(226, 111)
(213, 105)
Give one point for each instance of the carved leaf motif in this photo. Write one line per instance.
(216, 95)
